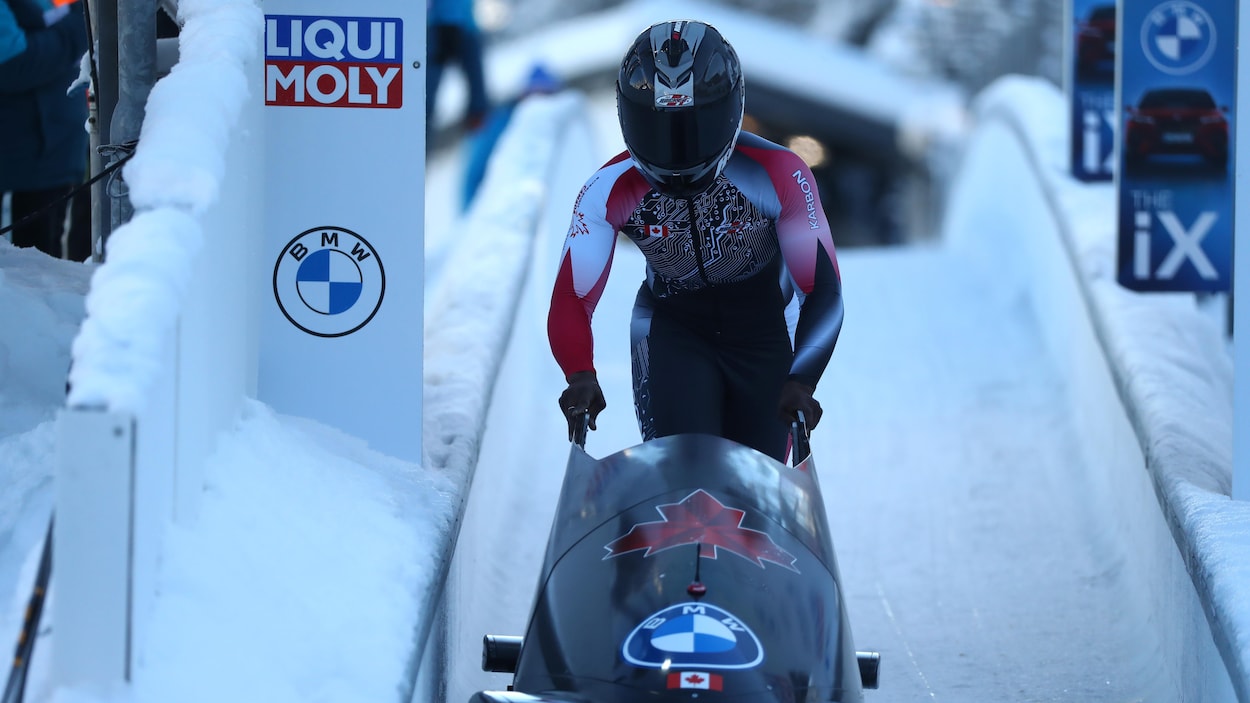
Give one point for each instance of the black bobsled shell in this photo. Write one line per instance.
(615, 618)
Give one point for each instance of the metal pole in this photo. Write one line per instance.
(136, 73)
(1241, 271)
(104, 31)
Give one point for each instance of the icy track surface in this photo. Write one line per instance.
(947, 460)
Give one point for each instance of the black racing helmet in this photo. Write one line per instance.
(680, 99)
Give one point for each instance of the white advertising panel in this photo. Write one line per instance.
(344, 187)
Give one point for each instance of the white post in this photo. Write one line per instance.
(1241, 272)
(92, 548)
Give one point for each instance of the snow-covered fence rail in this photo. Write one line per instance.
(470, 321)
(166, 354)
(1150, 389)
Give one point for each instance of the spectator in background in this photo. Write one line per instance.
(453, 38)
(482, 143)
(43, 136)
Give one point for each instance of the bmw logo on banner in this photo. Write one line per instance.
(1091, 89)
(1179, 38)
(692, 635)
(329, 281)
(1175, 185)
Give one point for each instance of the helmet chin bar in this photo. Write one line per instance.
(680, 186)
(686, 183)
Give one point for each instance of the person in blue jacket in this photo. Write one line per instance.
(453, 37)
(43, 135)
(482, 142)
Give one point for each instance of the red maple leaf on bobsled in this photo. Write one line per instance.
(699, 518)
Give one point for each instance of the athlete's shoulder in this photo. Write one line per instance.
(614, 190)
(755, 141)
(767, 153)
(764, 172)
(622, 157)
(616, 172)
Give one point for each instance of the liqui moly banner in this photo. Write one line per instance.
(1091, 88)
(343, 188)
(1176, 88)
(334, 61)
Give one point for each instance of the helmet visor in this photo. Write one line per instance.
(679, 139)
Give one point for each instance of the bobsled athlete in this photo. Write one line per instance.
(731, 227)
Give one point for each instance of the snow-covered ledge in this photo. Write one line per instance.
(471, 315)
(165, 356)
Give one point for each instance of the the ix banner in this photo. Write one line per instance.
(1091, 86)
(1175, 188)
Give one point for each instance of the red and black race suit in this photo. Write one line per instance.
(710, 344)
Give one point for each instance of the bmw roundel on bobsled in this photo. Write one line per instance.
(686, 567)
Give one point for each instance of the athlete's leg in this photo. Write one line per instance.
(677, 385)
(754, 375)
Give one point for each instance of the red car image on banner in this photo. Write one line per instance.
(1095, 42)
(1177, 121)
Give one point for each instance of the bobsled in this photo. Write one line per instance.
(685, 568)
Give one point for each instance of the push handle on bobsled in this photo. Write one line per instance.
(579, 426)
(800, 440)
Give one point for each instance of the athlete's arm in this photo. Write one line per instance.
(584, 266)
(808, 250)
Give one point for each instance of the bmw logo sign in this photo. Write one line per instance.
(1178, 37)
(329, 281)
(693, 635)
